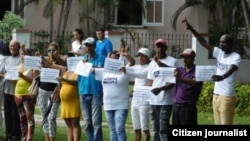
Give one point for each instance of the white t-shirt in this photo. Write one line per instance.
(76, 47)
(115, 89)
(139, 72)
(164, 97)
(225, 87)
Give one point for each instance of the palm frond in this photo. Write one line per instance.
(27, 2)
(187, 4)
(50, 8)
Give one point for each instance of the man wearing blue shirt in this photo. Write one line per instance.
(103, 45)
(91, 94)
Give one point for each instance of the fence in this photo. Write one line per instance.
(41, 39)
(176, 42)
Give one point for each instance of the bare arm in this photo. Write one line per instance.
(232, 69)
(29, 79)
(199, 37)
(177, 75)
(130, 59)
(71, 82)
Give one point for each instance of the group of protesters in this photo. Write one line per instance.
(153, 98)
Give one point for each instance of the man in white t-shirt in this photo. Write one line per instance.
(161, 102)
(227, 65)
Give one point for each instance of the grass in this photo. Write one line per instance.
(203, 119)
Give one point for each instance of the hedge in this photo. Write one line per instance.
(242, 106)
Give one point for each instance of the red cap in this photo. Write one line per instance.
(161, 40)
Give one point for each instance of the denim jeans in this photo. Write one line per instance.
(116, 121)
(160, 118)
(91, 106)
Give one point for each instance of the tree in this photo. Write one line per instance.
(188, 3)
(246, 13)
(225, 16)
(10, 21)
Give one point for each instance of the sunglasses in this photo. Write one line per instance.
(51, 50)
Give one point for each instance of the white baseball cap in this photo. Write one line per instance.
(188, 52)
(144, 51)
(89, 40)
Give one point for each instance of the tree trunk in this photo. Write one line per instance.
(68, 6)
(60, 18)
(51, 23)
(87, 12)
(246, 12)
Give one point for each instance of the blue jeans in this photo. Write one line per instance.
(160, 118)
(91, 106)
(116, 120)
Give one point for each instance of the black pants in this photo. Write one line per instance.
(11, 118)
(184, 114)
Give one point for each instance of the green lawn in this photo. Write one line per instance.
(203, 119)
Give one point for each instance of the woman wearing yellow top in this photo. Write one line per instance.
(24, 101)
(70, 105)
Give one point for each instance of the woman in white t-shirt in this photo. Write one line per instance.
(76, 46)
(139, 105)
(115, 98)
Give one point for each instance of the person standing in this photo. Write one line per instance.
(115, 98)
(187, 91)
(25, 102)
(70, 105)
(2, 60)
(227, 67)
(44, 94)
(139, 107)
(91, 94)
(76, 47)
(103, 45)
(12, 121)
(161, 102)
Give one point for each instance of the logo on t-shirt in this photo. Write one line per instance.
(222, 66)
(157, 73)
(110, 80)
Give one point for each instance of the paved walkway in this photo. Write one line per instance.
(60, 122)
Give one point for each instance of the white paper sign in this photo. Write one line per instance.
(83, 69)
(167, 74)
(72, 62)
(11, 73)
(49, 75)
(113, 64)
(32, 62)
(142, 93)
(204, 73)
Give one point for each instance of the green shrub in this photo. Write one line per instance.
(242, 99)
(204, 103)
(242, 106)
(10, 21)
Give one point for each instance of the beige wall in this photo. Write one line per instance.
(35, 20)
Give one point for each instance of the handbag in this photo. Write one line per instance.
(55, 97)
(33, 89)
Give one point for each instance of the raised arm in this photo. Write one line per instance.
(199, 37)
(124, 52)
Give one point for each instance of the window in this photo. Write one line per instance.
(154, 13)
(138, 13)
